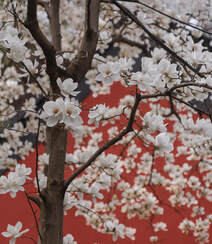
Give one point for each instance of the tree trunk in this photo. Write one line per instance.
(51, 209)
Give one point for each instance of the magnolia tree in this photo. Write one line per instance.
(48, 48)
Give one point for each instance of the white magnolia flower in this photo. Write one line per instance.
(169, 72)
(115, 228)
(160, 226)
(30, 66)
(153, 238)
(13, 232)
(17, 49)
(108, 72)
(62, 111)
(69, 239)
(71, 116)
(154, 122)
(12, 184)
(53, 112)
(22, 171)
(97, 113)
(67, 87)
(162, 143)
(94, 191)
(143, 81)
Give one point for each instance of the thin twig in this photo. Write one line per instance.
(34, 215)
(34, 79)
(37, 154)
(152, 166)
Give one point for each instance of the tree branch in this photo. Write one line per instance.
(82, 62)
(162, 13)
(55, 24)
(107, 145)
(33, 212)
(155, 38)
(49, 51)
(119, 38)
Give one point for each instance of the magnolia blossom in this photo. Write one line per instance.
(67, 87)
(22, 171)
(162, 143)
(160, 226)
(12, 184)
(118, 230)
(96, 114)
(62, 111)
(71, 115)
(168, 72)
(154, 122)
(13, 232)
(9, 39)
(30, 67)
(108, 72)
(69, 239)
(158, 73)
(53, 112)
(143, 81)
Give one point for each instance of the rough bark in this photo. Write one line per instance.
(55, 24)
(51, 210)
(82, 62)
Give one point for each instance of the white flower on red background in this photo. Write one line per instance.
(12, 184)
(97, 113)
(162, 143)
(160, 226)
(72, 114)
(14, 232)
(22, 171)
(68, 87)
(69, 239)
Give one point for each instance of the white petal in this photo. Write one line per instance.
(6, 234)
(52, 121)
(18, 226)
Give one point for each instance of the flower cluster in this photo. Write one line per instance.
(63, 110)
